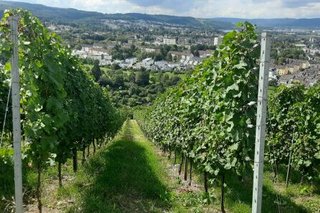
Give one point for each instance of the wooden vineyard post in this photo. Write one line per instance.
(261, 124)
(16, 116)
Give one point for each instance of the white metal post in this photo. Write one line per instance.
(261, 124)
(16, 115)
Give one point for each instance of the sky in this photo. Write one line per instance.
(197, 8)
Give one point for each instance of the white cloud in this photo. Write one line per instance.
(198, 8)
(254, 9)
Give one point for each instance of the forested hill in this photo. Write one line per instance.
(51, 13)
(68, 15)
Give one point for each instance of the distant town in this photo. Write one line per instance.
(152, 49)
(164, 48)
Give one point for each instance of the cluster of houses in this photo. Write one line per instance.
(307, 77)
(308, 50)
(301, 71)
(292, 66)
(184, 62)
(151, 64)
(180, 60)
(95, 53)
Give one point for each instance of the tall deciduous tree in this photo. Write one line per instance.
(142, 78)
(96, 71)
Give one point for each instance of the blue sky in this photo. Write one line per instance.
(198, 8)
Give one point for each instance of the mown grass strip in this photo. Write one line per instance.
(125, 177)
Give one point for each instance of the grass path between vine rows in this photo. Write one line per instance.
(129, 176)
(124, 177)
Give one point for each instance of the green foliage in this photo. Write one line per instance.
(142, 78)
(122, 53)
(195, 48)
(4, 90)
(282, 55)
(293, 129)
(209, 116)
(96, 71)
(132, 88)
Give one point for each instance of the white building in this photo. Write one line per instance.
(205, 53)
(147, 62)
(217, 41)
(300, 46)
(128, 63)
(131, 61)
(94, 53)
(272, 75)
(150, 50)
(170, 41)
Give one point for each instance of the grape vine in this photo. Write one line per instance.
(293, 130)
(209, 117)
(63, 110)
